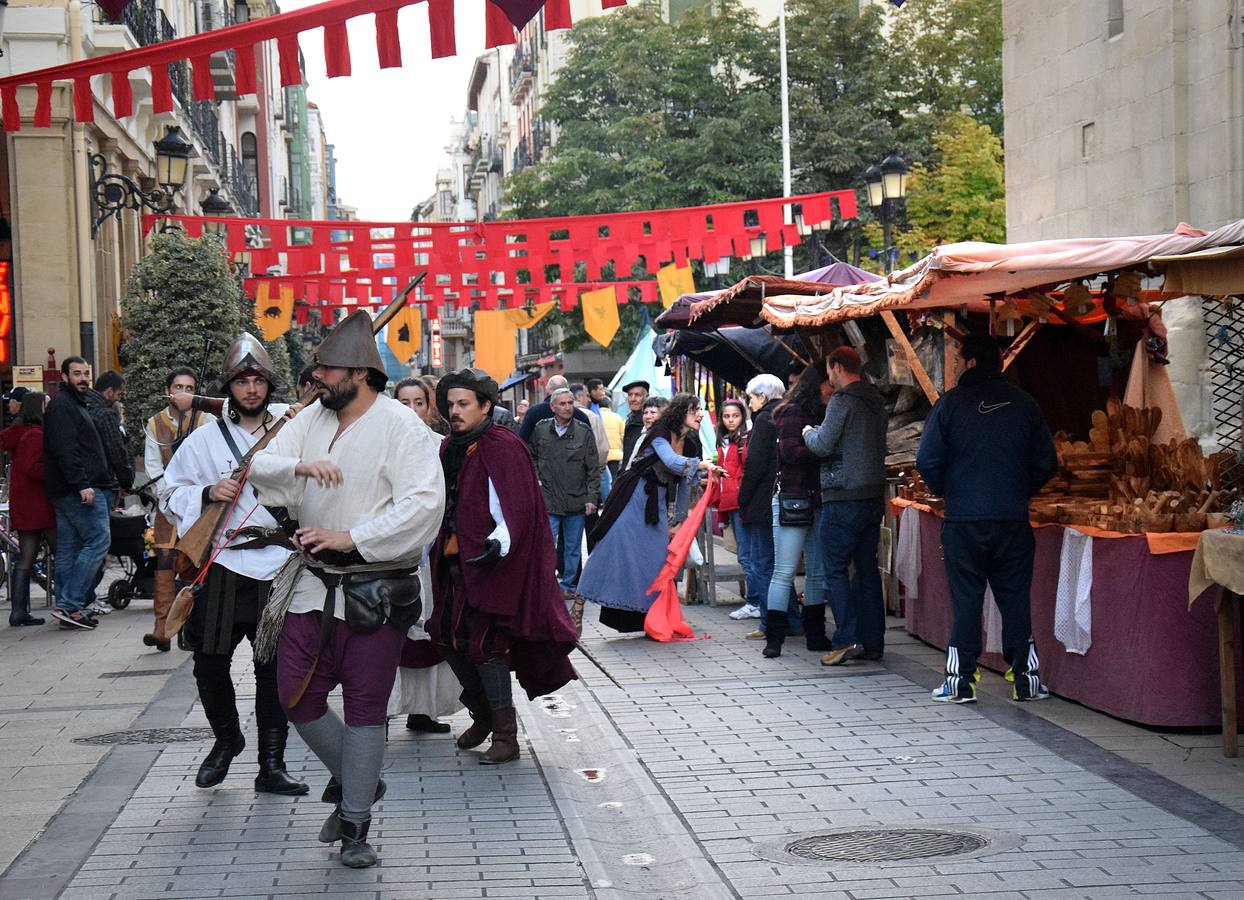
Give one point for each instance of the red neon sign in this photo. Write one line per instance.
(6, 313)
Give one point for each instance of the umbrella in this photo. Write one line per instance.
(734, 354)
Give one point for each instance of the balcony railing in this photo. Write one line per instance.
(521, 74)
(145, 21)
(240, 184)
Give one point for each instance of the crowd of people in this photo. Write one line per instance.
(346, 559)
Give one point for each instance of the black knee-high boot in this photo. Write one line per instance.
(775, 633)
(220, 705)
(273, 732)
(19, 599)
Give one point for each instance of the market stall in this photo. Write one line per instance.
(1117, 528)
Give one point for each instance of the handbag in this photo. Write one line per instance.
(371, 601)
(795, 508)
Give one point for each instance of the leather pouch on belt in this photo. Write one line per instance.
(394, 597)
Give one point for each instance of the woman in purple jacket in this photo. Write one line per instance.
(799, 476)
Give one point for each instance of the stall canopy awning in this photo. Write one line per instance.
(972, 273)
(1217, 271)
(733, 354)
(740, 304)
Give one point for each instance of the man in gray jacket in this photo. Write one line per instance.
(564, 451)
(853, 441)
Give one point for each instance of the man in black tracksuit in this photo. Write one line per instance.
(987, 450)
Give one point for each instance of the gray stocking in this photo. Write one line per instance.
(363, 754)
(326, 738)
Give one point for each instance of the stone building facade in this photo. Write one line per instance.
(1126, 117)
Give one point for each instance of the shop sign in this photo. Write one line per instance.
(435, 327)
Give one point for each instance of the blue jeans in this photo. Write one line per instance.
(850, 531)
(756, 559)
(789, 542)
(81, 542)
(571, 530)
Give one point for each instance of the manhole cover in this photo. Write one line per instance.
(886, 845)
(135, 673)
(149, 736)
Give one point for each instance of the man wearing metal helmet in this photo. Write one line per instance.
(359, 470)
(240, 577)
(498, 605)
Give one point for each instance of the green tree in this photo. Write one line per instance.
(654, 115)
(960, 198)
(179, 295)
(947, 58)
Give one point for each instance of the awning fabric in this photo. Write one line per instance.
(972, 273)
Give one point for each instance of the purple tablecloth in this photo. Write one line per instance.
(1152, 660)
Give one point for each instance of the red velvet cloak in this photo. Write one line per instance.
(520, 592)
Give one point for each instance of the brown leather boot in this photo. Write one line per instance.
(481, 722)
(504, 738)
(163, 589)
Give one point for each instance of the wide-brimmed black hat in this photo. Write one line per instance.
(469, 379)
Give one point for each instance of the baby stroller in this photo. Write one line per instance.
(131, 544)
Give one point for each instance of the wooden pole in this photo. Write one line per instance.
(1017, 345)
(922, 377)
(950, 359)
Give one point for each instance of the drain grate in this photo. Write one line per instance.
(886, 845)
(149, 736)
(136, 673)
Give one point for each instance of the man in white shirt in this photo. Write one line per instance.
(359, 472)
(239, 578)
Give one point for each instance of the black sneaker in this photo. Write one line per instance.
(75, 619)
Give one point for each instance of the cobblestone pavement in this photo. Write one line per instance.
(688, 781)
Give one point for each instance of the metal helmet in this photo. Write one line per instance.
(247, 355)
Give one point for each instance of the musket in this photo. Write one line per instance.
(195, 546)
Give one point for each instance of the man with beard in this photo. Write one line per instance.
(164, 434)
(240, 576)
(636, 393)
(79, 480)
(357, 470)
(498, 604)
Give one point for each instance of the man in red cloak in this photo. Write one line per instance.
(498, 606)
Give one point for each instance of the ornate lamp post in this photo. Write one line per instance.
(887, 187)
(111, 193)
(215, 205)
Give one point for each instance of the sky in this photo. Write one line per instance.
(390, 127)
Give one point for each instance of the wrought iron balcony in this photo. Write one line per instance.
(522, 74)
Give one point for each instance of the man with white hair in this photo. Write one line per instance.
(756, 496)
(544, 410)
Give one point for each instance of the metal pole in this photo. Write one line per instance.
(787, 213)
(885, 236)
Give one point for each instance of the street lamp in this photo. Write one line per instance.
(887, 187)
(111, 193)
(216, 206)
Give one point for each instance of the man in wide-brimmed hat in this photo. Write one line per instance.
(227, 609)
(498, 605)
(358, 471)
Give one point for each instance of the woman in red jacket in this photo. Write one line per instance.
(30, 511)
(731, 452)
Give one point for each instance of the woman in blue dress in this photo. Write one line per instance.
(634, 529)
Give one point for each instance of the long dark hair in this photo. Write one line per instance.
(31, 409)
(724, 436)
(674, 418)
(806, 394)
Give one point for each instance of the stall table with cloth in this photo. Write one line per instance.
(1146, 657)
(1219, 561)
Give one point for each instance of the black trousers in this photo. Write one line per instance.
(999, 554)
(212, 664)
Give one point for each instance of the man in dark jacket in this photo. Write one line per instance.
(852, 440)
(564, 451)
(764, 392)
(987, 450)
(636, 393)
(78, 484)
(102, 404)
(543, 410)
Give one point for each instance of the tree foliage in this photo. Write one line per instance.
(179, 295)
(947, 58)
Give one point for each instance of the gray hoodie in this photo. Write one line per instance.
(852, 440)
